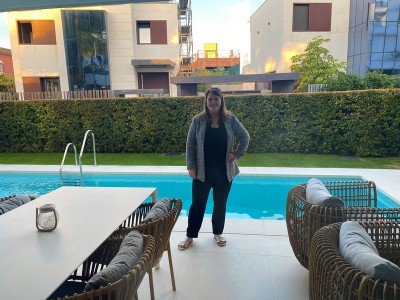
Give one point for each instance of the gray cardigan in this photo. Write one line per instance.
(195, 145)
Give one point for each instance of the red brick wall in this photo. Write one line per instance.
(7, 64)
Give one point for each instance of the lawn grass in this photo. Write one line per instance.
(250, 160)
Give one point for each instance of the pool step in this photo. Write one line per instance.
(71, 182)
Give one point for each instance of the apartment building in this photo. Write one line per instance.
(6, 65)
(374, 36)
(117, 47)
(280, 29)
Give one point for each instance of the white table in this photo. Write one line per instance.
(32, 263)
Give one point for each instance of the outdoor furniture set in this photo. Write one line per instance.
(114, 267)
(315, 213)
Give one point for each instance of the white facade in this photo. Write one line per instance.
(50, 60)
(273, 41)
(38, 60)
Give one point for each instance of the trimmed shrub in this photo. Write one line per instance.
(363, 123)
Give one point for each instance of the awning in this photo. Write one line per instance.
(153, 63)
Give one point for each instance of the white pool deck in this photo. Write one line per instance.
(257, 262)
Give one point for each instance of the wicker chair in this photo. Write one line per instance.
(160, 230)
(304, 219)
(123, 289)
(332, 277)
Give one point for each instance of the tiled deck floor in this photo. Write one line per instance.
(256, 263)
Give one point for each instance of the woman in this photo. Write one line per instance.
(211, 162)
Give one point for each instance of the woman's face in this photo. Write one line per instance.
(213, 103)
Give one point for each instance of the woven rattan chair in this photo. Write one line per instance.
(304, 219)
(160, 230)
(332, 277)
(123, 289)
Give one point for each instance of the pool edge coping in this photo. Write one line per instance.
(383, 178)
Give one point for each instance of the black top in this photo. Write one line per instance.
(215, 148)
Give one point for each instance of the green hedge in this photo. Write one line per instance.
(364, 123)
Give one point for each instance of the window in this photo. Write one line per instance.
(25, 32)
(312, 17)
(37, 32)
(50, 84)
(152, 32)
(1, 67)
(144, 32)
(86, 50)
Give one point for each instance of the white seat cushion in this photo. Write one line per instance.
(358, 249)
(318, 194)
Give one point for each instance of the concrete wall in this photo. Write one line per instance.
(38, 60)
(159, 11)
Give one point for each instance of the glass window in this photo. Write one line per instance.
(393, 12)
(25, 32)
(85, 40)
(376, 56)
(37, 32)
(1, 67)
(312, 17)
(391, 28)
(151, 32)
(50, 84)
(144, 33)
(300, 17)
(377, 43)
(390, 43)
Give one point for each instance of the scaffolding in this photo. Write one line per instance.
(212, 58)
(185, 37)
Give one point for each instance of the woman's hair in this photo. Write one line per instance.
(223, 112)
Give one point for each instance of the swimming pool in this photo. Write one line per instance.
(255, 197)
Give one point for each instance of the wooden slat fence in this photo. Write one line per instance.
(316, 87)
(89, 94)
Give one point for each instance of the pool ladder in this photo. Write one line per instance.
(77, 181)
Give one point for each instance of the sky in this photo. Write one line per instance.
(225, 22)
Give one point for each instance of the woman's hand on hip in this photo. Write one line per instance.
(193, 173)
(231, 157)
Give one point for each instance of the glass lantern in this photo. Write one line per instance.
(46, 217)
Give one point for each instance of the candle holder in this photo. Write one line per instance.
(46, 217)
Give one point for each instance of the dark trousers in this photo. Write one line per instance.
(200, 191)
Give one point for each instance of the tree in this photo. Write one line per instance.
(316, 65)
(7, 83)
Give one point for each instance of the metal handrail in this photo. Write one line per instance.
(65, 155)
(83, 147)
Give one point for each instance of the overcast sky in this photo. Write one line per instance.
(225, 22)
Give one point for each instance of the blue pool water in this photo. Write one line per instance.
(261, 197)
